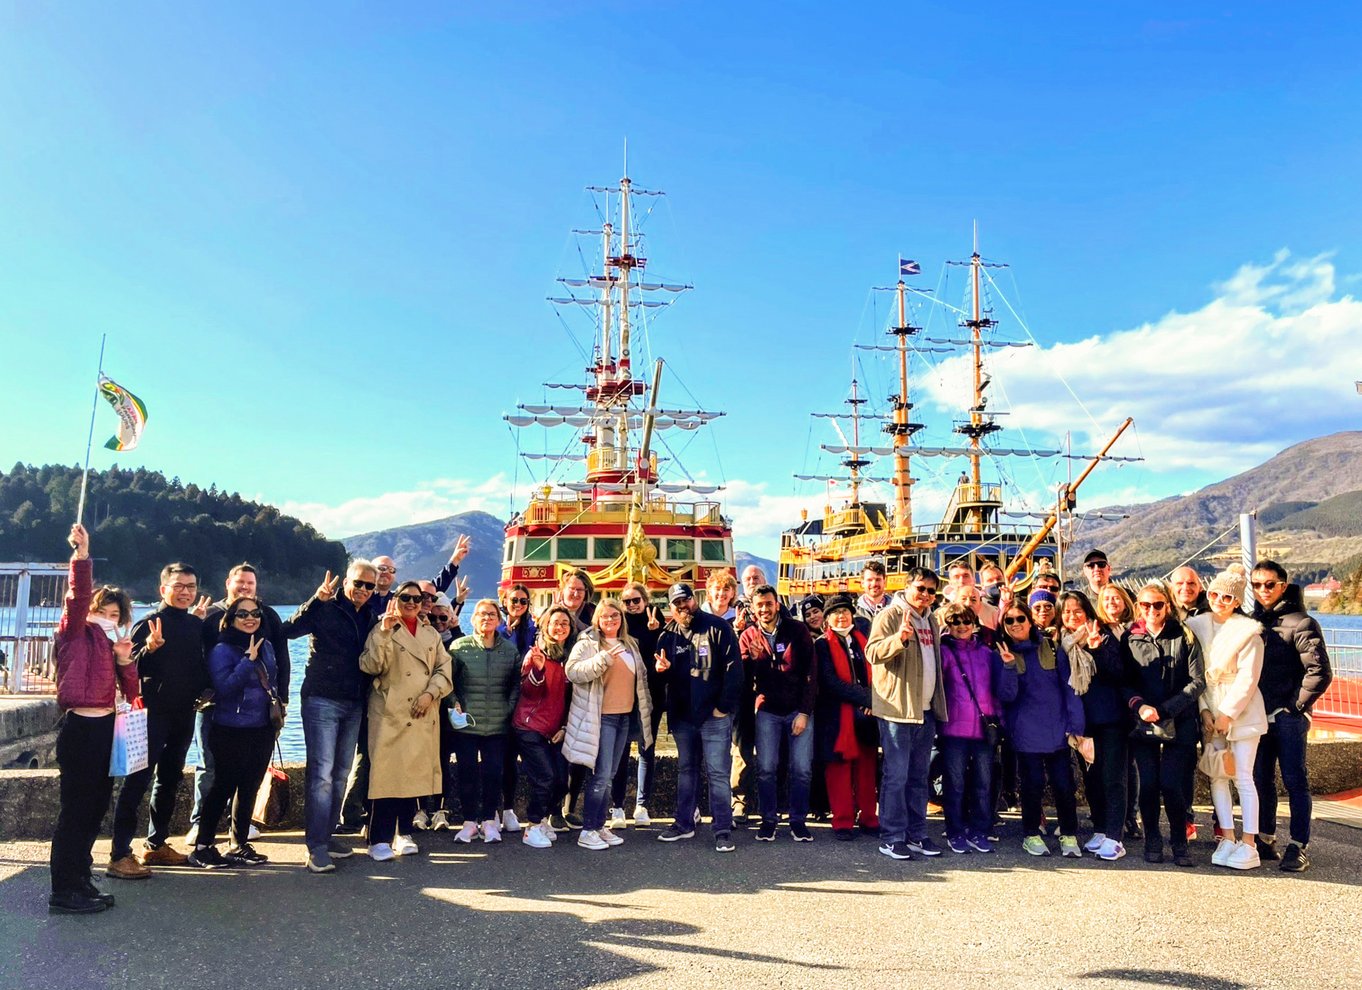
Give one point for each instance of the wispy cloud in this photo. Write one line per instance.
(429, 500)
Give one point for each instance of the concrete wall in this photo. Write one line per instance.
(29, 799)
(28, 736)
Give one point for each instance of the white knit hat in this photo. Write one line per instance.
(1231, 581)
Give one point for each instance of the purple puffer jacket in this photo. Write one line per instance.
(961, 659)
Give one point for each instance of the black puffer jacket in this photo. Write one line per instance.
(1166, 671)
(1296, 669)
(338, 632)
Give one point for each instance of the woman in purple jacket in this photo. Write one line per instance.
(245, 679)
(1042, 714)
(94, 661)
(969, 736)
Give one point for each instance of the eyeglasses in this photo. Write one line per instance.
(520, 601)
(252, 613)
(1015, 620)
(362, 585)
(485, 613)
(960, 622)
(632, 601)
(1154, 606)
(1264, 585)
(1100, 565)
(385, 569)
(184, 587)
(410, 599)
(922, 590)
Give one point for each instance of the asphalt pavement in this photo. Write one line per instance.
(652, 914)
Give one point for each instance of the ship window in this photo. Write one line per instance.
(508, 551)
(713, 551)
(538, 549)
(680, 549)
(608, 547)
(572, 548)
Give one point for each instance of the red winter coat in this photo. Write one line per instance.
(543, 702)
(87, 673)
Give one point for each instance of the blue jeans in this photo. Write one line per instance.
(711, 741)
(903, 790)
(614, 743)
(330, 732)
(203, 773)
(772, 730)
(966, 786)
(1284, 745)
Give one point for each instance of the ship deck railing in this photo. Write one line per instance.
(1343, 700)
(560, 507)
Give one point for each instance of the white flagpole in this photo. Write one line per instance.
(89, 441)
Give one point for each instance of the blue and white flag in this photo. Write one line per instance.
(908, 267)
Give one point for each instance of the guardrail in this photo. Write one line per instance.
(1344, 697)
(31, 598)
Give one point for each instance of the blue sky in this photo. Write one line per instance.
(320, 238)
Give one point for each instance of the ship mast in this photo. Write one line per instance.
(899, 427)
(855, 461)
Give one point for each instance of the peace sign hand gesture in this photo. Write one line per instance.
(327, 589)
(123, 650)
(461, 548)
(1006, 654)
(654, 619)
(200, 609)
(663, 664)
(1094, 632)
(391, 618)
(154, 638)
(253, 648)
(462, 595)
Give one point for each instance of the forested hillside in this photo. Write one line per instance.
(139, 521)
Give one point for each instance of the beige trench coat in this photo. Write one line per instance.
(404, 752)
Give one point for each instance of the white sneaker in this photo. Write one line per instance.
(1244, 857)
(591, 840)
(381, 852)
(468, 833)
(617, 819)
(420, 822)
(641, 815)
(549, 832)
(1095, 843)
(491, 831)
(1111, 851)
(252, 834)
(536, 839)
(439, 820)
(509, 822)
(404, 846)
(610, 837)
(1221, 856)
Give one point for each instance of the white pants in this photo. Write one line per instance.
(1244, 751)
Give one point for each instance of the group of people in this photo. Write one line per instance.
(837, 705)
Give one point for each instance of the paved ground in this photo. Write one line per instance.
(649, 914)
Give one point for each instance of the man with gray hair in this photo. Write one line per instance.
(332, 699)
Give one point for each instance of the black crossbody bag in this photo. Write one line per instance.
(991, 723)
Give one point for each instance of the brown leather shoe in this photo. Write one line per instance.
(166, 855)
(127, 868)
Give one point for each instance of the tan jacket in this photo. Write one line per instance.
(404, 752)
(896, 669)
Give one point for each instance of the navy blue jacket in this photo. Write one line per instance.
(706, 670)
(239, 700)
(338, 632)
(1040, 710)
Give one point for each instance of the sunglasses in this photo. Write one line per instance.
(632, 601)
(410, 599)
(960, 622)
(1264, 585)
(253, 613)
(520, 601)
(1154, 606)
(427, 597)
(1100, 565)
(1016, 620)
(363, 585)
(922, 590)
(439, 620)
(1219, 596)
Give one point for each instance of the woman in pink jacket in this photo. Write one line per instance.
(94, 662)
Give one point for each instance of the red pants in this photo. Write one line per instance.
(852, 788)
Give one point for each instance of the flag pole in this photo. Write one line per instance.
(89, 440)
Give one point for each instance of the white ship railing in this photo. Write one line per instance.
(1344, 697)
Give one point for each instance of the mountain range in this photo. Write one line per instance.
(1307, 499)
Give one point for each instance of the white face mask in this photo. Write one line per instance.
(109, 626)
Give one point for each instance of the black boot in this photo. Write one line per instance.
(75, 902)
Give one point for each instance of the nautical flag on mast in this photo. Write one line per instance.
(909, 267)
(132, 414)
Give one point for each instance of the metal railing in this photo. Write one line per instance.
(31, 598)
(1344, 697)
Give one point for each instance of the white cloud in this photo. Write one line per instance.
(429, 500)
(1269, 361)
